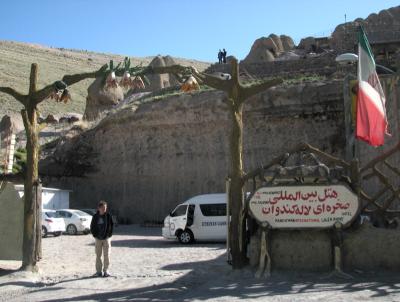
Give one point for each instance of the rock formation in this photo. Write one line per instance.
(278, 43)
(266, 49)
(100, 99)
(159, 81)
(384, 26)
(308, 44)
(287, 43)
(263, 50)
(11, 124)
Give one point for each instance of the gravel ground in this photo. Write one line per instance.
(147, 268)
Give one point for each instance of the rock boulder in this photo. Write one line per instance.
(159, 81)
(263, 50)
(100, 99)
(308, 44)
(383, 26)
(287, 43)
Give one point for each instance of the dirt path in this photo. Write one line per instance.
(147, 268)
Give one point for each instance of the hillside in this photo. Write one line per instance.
(15, 60)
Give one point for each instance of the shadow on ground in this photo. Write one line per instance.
(161, 243)
(4, 272)
(137, 230)
(215, 280)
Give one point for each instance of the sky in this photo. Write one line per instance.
(187, 29)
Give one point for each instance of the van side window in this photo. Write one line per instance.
(218, 209)
(179, 211)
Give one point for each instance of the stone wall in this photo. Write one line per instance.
(146, 159)
(322, 65)
(365, 248)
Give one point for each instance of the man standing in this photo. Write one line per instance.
(224, 56)
(101, 228)
(220, 57)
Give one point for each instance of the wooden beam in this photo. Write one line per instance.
(15, 94)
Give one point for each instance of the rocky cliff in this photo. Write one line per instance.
(380, 28)
(144, 159)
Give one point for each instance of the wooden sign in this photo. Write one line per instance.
(319, 206)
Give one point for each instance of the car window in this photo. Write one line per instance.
(52, 214)
(179, 211)
(64, 214)
(218, 209)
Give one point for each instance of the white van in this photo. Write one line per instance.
(202, 217)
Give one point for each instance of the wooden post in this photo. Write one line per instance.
(264, 265)
(38, 202)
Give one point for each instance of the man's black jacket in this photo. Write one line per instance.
(108, 229)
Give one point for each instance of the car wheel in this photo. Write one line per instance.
(71, 229)
(44, 232)
(56, 234)
(185, 237)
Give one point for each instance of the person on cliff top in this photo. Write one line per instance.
(101, 228)
(224, 56)
(220, 57)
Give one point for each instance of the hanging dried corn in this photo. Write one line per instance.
(126, 80)
(65, 96)
(111, 80)
(55, 95)
(138, 83)
(190, 84)
(59, 88)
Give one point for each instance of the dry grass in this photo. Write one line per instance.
(16, 58)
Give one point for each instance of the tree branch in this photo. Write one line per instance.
(248, 91)
(15, 94)
(214, 82)
(174, 69)
(44, 93)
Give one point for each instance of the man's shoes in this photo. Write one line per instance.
(106, 274)
(97, 275)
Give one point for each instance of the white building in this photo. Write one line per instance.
(52, 199)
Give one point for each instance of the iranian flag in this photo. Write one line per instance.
(371, 112)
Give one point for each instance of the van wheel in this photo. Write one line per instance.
(185, 237)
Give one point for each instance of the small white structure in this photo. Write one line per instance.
(52, 199)
(12, 215)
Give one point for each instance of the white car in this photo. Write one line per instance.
(75, 221)
(52, 223)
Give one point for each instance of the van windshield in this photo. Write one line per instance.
(179, 211)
